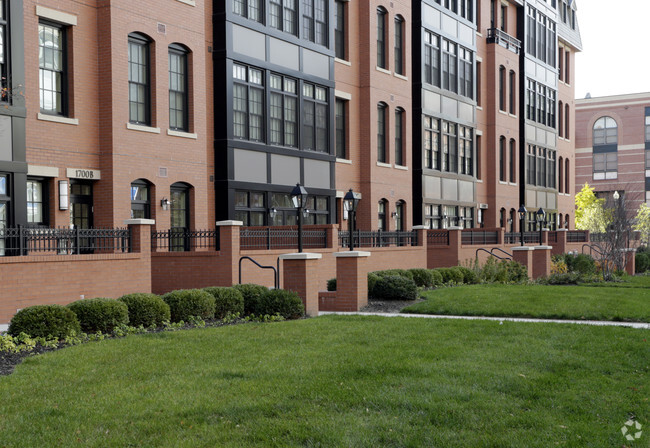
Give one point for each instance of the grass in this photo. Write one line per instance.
(336, 381)
(616, 302)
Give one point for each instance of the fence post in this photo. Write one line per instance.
(268, 238)
(20, 237)
(299, 271)
(421, 235)
(230, 248)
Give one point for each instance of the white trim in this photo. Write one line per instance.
(543, 247)
(352, 254)
(616, 101)
(140, 128)
(57, 119)
(144, 222)
(384, 165)
(56, 15)
(343, 61)
(383, 70)
(345, 161)
(43, 171)
(301, 256)
(229, 223)
(188, 2)
(523, 248)
(397, 75)
(182, 134)
(342, 95)
(401, 167)
(478, 131)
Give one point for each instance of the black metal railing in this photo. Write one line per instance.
(378, 238)
(270, 238)
(552, 237)
(471, 237)
(515, 238)
(438, 237)
(497, 36)
(184, 240)
(576, 236)
(63, 241)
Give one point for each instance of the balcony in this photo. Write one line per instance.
(496, 36)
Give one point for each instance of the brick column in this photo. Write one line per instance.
(351, 280)
(422, 234)
(229, 249)
(542, 261)
(544, 241)
(630, 261)
(300, 274)
(502, 236)
(332, 236)
(524, 256)
(560, 247)
(141, 243)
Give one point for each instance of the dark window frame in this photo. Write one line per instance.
(249, 87)
(315, 20)
(5, 53)
(62, 108)
(399, 49)
(143, 205)
(382, 156)
(319, 140)
(44, 202)
(142, 43)
(399, 136)
(432, 142)
(382, 60)
(183, 57)
(248, 6)
(286, 96)
(341, 122)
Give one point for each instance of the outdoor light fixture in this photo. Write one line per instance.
(63, 195)
(299, 198)
(616, 195)
(165, 203)
(541, 215)
(522, 217)
(273, 213)
(350, 203)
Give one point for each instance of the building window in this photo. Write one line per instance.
(605, 165)
(400, 216)
(467, 9)
(560, 121)
(512, 92)
(282, 15)
(248, 103)
(551, 169)
(314, 21)
(140, 200)
(465, 150)
(139, 81)
(449, 66)
(466, 73)
(4, 53)
(399, 45)
(541, 167)
(251, 9)
(503, 17)
(250, 208)
(605, 131)
(560, 176)
(478, 84)
(381, 132)
(399, 137)
(283, 115)
(52, 68)
(560, 63)
(647, 127)
(180, 216)
(567, 116)
(478, 157)
(431, 143)
(502, 159)
(502, 88)
(466, 217)
(431, 59)
(381, 38)
(381, 215)
(567, 176)
(178, 86)
(36, 202)
(567, 66)
(540, 103)
(512, 160)
(432, 216)
(318, 207)
(449, 147)
(315, 115)
(540, 37)
(341, 134)
(339, 30)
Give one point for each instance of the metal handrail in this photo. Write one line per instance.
(276, 272)
(593, 247)
(501, 250)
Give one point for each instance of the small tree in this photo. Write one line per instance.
(642, 223)
(591, 213)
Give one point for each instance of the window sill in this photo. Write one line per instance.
(58, 119)
(503, 112)
(140, 128)
(512, 115)
(345, 161)
(503, 183)
(405, 78)
(401, 167)
(512, 184)
(188, 2)
(182, 134)
(383, 70)
(384, 165)
(479, 107)
(343, 61)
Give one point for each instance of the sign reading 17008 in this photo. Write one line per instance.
(75, 173)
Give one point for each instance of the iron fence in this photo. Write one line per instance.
(472, 237)
(270, 238)
(515, 238)
(496, 36)
(438, 237)
(552, 237)
(63, 241)
(184, 240)
(378, 238)
(576, 236)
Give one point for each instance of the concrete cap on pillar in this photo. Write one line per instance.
(301, 256)
(352, 254)
(144, 222)
(229, 223)
(543, 247)
(523, 248)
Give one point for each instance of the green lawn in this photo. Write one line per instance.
(621, 302)
(336, 382)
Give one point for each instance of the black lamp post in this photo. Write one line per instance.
(541, 215)
(522, 216)
(299, 198)
(350, 202)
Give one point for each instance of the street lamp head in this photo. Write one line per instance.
(351, 200)
(299, 196)
(541, 214)
(522, 211)
(616, 195)
(273, 212)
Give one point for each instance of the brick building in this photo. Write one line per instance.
(613, 147)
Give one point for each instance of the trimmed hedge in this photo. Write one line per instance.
(395, 272)
(372, 281)
(422, 277)
(331, 284)
(227, 300)
(451, 275)
(642, 262)
(185, 303)
(279, 301)
(146, 309)
(395, 288)
(45, 321)
(252, 294)
(469, 276)
(437, 277)
(100, 314)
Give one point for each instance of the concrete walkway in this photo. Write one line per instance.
(642, 326)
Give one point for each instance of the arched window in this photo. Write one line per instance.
(399, 137)
(399, 45)
(511, 220)
(566, 177)
(567, 133)
(512, 92)
(560, 121)
(400, 217)
(139, 79)
(502, 218)
(502, 88)
(605, 131)
(381, 214)
(140, 199)
(512, 160)
(381, 132)
(180, 216)
(502, 159)
(605, 148)
(381, 37)
(566, 221)
(560, 177)
(178, 88)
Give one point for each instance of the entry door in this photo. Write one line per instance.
(81, 211)
(179, 218)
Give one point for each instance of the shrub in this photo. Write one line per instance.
(422, 277)
(582, 263)
(372, 282)
(451, 276)
(469, 276)
(395, 288)
(100, 314)
(515, 272)
(437, 277)
(45, 321)
(331, 284)
(190, 302)
(642, 262)
(251, 294)
(146, 309)
(568, 278)
(279, 301)
(398, 272)
(227, 300)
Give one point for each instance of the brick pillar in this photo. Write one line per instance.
(141, 243)
(544, 241)
(630, 261)
(300, 274)
(560, 247)
(229, 249)
(502, 236)
(422, 234)
(351, 280)
(542, 261)
(524, 256)
(332, 236)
